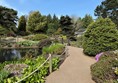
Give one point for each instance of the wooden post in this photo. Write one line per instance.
(50, 63)
(66, 51)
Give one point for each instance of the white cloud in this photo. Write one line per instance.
(4, 3)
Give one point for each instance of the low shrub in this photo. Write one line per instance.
(54, 49)
(103, 71)
(78, 43)
(3, 74)
(27, 43)
(32, 64)
(39, 37)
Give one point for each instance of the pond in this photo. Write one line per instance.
(16, 54)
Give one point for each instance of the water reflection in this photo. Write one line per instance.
(16, 54)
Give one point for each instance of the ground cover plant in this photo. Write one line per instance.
(105, 70)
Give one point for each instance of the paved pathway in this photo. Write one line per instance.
(75, 69)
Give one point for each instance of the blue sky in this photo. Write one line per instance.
(59, 7)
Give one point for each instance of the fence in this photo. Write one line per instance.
(50, 64)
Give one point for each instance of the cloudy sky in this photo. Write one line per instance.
(59, 7)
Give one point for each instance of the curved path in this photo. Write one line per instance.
(75, 69)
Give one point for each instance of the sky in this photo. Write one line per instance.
(78, 8)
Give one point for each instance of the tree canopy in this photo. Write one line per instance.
(8, 18)
(22, 24)
(67, 25)
(36, 22)
(108, 8)
(86, 21)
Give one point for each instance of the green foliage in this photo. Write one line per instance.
(39, 37)
(38, 77)
(8, 18)
(22, 24)
(54, 49)
(3, 30)
(78, 43)
(3, 74)
(100, 36)
(52, 24)
(28, 43)
(108, 8)
(116, 71)
(55, 63)
(66, 25)
(86, 21)
(51, 28)
(103, 70)
(36, 22)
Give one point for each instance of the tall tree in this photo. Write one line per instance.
(52, 24)
(36, 22)
(86, 21)
(22, 24)
(8, 18)
(49, 18)
(67, 25)
(108, 8)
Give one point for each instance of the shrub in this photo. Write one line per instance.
(32, 64)
(100, 36)
(78, 43)
(3, 74)
(28, 43)
(38, 37)
(103, 70)
(54, 49)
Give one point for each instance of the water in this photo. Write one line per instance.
(16, 54)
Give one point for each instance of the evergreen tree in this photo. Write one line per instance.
(86, 21)
(8, 18)
(67, 26)
(36, 22)
(22, 24)
(108, 8)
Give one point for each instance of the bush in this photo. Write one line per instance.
(32, 64)
(103, 70)
(54, 49)
(78, 43)
(100, 36)
(3, 74)
(38, 37)
(28, 43)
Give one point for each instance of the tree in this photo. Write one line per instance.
(8, 18)
(67, 25)
(36, 22)
(100, 36)
(22, 24)
(3, 30)
(51, 28)
(86, 21)
(49, 18)
(108, 8)
(52, 24)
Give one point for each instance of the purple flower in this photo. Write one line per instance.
(98, 56)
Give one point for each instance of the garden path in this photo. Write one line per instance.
(75, 69)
